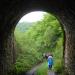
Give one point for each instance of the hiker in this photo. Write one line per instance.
(45, 55)
(50, 61)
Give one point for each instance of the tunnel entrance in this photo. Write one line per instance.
(12, 11)
(40, 34)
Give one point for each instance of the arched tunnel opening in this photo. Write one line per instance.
(34, 38)
(12, 11)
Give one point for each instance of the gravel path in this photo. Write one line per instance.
(51, 73)
(33, 71)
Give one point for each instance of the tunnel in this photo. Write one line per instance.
(11, 12)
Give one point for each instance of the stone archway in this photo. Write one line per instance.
(12, 11)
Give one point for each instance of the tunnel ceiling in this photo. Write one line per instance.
(12, 10)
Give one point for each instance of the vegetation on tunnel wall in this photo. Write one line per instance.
(32, 40)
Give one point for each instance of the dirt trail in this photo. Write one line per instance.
(33, 71)
(51, 73)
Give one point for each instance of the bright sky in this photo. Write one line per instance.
(33, 16)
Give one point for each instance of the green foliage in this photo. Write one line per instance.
(37, 38)
(58, 56)
(43, 69)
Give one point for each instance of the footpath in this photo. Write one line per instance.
(33, 71)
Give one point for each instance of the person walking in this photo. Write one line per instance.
(50, 62)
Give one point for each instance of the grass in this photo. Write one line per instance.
(43, 69)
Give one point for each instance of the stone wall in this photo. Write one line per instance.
(7, 56)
